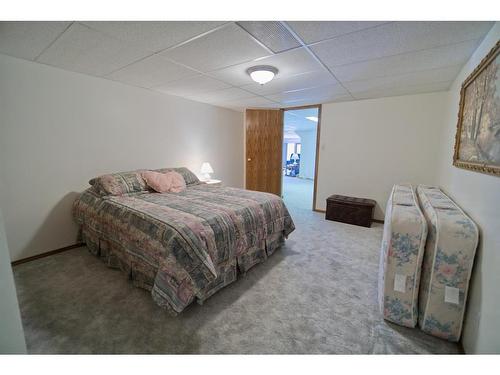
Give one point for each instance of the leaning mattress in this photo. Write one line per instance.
(403, 243)
(447, 265)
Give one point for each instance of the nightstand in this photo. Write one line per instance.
(213, 182)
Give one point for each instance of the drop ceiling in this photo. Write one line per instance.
(296, 120)
(318, 62)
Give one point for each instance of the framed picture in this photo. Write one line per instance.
(477, 142)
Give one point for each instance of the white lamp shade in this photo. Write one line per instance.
(262, 76)
(262, 73)
(206, 168)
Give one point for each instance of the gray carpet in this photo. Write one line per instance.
(315, 295)
(298, 192)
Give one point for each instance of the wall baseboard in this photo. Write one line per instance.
(46, 254)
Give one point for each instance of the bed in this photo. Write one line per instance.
(180, 246)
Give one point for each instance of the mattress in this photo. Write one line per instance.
(447, 266)
(403, 243)
(182, 246)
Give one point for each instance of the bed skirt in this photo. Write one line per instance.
(144, 274)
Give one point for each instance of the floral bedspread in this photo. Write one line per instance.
(182, 245)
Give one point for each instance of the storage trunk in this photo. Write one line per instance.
(350, 210)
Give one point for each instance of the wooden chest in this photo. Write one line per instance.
(350, 210)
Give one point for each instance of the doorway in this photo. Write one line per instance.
(299, 156)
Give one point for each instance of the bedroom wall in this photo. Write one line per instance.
(367, 146)
(479, 195)
(11, 328)
(58, 129)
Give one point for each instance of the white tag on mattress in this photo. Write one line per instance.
(400, 283)
(451, 295)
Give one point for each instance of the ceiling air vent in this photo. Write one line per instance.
(272, 34)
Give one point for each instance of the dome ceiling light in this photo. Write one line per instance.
(262, 73)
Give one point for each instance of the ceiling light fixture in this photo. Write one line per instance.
(262, 73)
(312, 118)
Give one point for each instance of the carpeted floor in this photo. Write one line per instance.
(315, 295)
(298, 192)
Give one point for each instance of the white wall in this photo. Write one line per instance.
(58, 129)
(11, 329)
(367, 146)
(307, 153)
(479, 195)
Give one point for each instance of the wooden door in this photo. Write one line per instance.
(264, 142)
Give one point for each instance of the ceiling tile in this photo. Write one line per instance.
(84, 50)
(408, 90)
(456, 54)
(395, 38)
(192, 86)
(224, 95)
(272, 34)
(252, 102)
(380, 41)
(27, 40)
(421, 35)
(309, 95)
(314, 31)
(401, 81)
(154, 36)
(318, 100)
(295, 82)
(151, 71)
(227, 46)
(288, 63)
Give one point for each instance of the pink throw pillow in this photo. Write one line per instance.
(178, 182)
(164, 182)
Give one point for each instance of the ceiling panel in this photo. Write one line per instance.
(151, 71)
(455, 54)
(227, 46)
(288, 63)
(252, 102)
(408, 90)
(314, 31)
(421, 35)
(207, 61)
(395, 38)
(317, 100)
(328, 91)
(296, 120)
(401, 81)
(192, 86)
(224, 95)
(295, 82)
(84, 50)
(27, 40)
(154, 36)
(363, 45)
(272, 34)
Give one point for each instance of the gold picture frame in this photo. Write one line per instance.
(477, 141)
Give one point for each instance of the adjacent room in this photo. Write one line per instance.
(249, 187)
(300, 127)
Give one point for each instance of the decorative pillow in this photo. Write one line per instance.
(164, 182)
(119, 183)
(189, 177)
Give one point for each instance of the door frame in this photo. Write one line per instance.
(316, 157)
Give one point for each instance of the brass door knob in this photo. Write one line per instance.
(249, 159)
